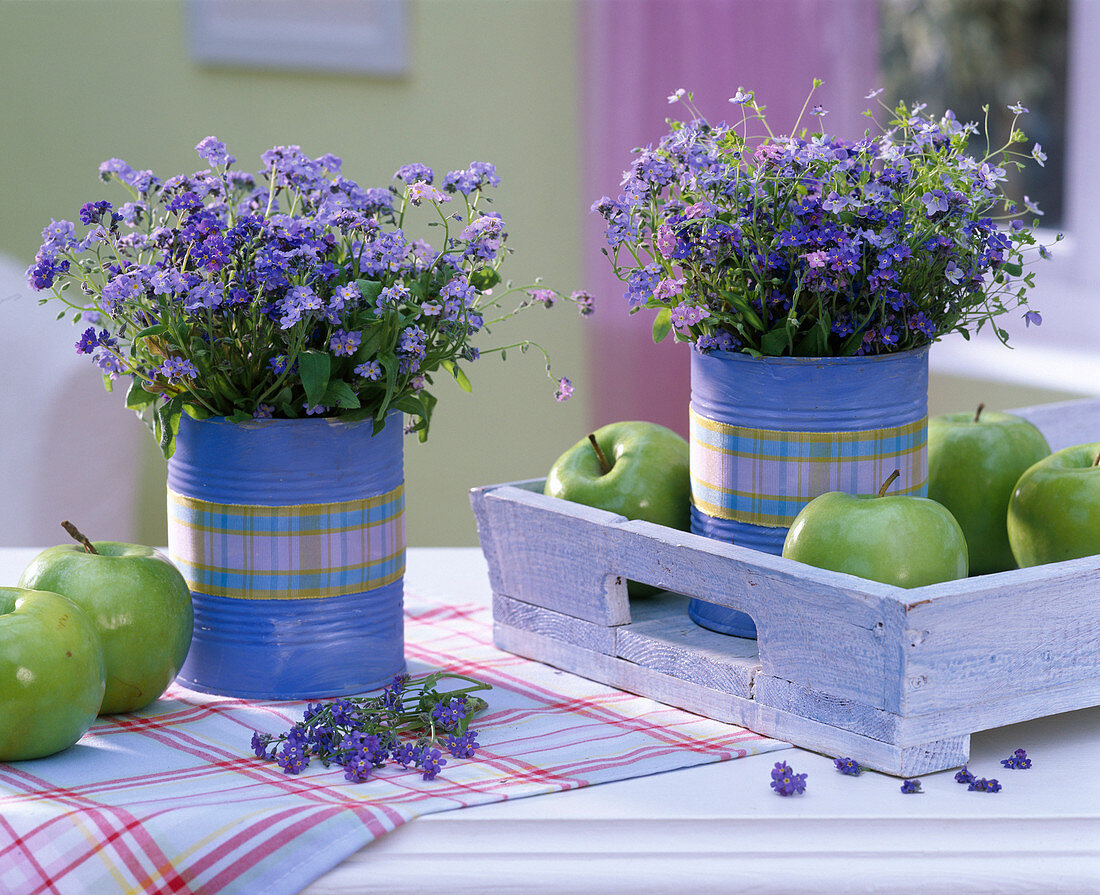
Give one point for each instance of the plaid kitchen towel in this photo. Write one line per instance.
(171, 799)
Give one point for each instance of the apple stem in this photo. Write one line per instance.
(978, 412)
(888, 482)
(604, 465)
(76, 534)
(1096, 462)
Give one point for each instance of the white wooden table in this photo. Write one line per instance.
(720, 828)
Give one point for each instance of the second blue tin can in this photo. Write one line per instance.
(768, 434)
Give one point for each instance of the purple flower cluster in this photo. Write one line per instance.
(848, 766)
(815, 245)
(363, 734)
(785, 781)
(976, 784)
(1019, 761)
(210, 288)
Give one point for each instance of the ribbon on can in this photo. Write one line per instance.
(298, 552)
(765, 476)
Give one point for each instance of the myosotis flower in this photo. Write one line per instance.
(785, 781)
(1018, 761)
(286, 293)
(847, 766)
(815, 245)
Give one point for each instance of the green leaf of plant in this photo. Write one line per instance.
(137, 397)
(389, 366)
(815, 342)
(484, 278)
(340, 394)
(314, 368)
(155, 330)
(370, 342)
(662, 325)
(196, 412)
(418, 289)
(369, 289)
(410, 404)
(743, 308)
(1012, 268)
(459, 375)
(168, 416)
(354, 416)
(774, 342)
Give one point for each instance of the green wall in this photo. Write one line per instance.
(488, 80)
(491, 80)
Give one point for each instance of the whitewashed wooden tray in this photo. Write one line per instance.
(896, 679)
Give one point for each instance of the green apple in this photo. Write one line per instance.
(905, 541)
(137, 601)
(1054, 513)
(51, 673)
(636, 469)
(974, 462)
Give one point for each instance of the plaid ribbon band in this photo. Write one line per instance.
(765, 476)
(300, 552)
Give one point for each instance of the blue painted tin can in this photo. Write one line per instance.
(291, 535)
(769, 434)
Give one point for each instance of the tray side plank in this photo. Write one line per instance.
(570, 559)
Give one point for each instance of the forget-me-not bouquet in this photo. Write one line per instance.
(288, 293)
(811, 245)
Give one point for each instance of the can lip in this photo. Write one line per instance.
(286, 462)
(316, 422)
(783, 360)
(832, 394)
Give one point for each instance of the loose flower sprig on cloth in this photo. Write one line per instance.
(411, 723)
(811, 245)
(292, 292)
